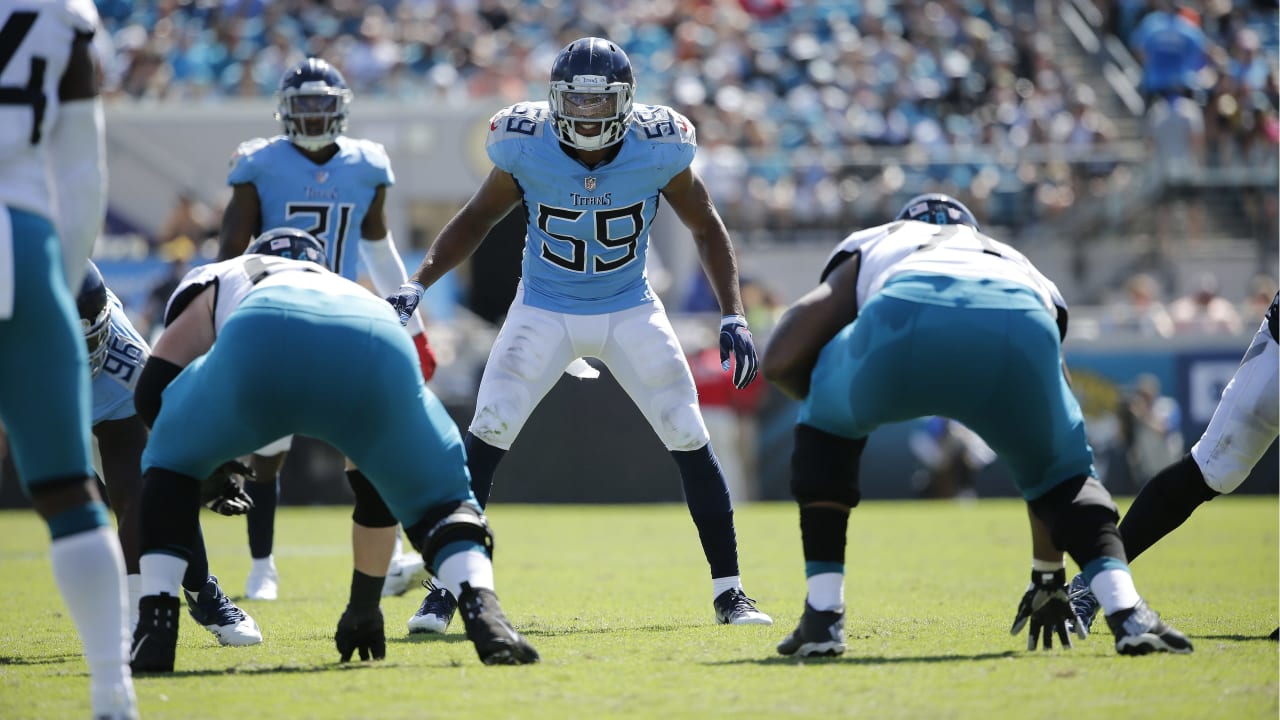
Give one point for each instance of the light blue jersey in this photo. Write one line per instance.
(588, 231)
(114, 383)
(327, 200)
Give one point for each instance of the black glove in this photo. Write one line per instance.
(361, 629)
(735, 340)
(1047, 607)
(406, 299)
(223, 491)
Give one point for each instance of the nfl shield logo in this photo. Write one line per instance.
(321, 176)
(589, 184)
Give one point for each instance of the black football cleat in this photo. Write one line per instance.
(155, 640)
(496, 641)
(1139, 630)
(819, 633)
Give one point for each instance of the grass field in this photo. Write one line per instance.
(617, 600)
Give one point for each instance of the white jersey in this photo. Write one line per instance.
(43, 31)
(953, 250)
(233, 280)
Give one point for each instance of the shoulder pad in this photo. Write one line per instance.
(192, 284)
(659, 123)
(248, 148)
(80, 15)
(518, 121)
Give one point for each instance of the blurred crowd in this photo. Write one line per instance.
(795, 99)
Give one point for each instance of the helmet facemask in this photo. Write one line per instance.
(589, 102)
(314, 114)
(97, 333)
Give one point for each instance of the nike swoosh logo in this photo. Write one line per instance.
(134, 655)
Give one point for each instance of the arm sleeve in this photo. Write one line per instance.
(386, 269)
(78, 159)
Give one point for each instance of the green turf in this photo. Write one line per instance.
(617, 600)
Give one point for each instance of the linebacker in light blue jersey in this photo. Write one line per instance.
(315, 179)
(117, 354)
(590, 167)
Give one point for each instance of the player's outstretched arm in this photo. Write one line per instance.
(497, 195)
(241, 221)
(691, 202)
(808, 325)
(78, 159)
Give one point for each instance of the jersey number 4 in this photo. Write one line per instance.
(606, 222)
(12, 34)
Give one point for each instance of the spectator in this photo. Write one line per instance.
(1140, 311)
(189, 219)
(1171, 49)
(1204, 311)
(1150, 425)
(1175, 134)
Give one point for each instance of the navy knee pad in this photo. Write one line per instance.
(824, 467)
(370, 510)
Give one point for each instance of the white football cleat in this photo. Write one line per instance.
(402, 573)
(212, 609)
(263, 582)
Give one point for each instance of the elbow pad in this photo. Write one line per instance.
(156, 376)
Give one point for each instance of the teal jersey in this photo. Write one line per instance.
(588, 228)
(328, 200)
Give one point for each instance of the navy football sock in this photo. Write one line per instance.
(262, 518)
(707, 495)
(482, 463)
(197, 565)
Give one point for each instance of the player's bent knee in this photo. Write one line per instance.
(824, 467)
(680, 425)
(449, 523)
(1081, 518)
(370, 509)
(501, 413)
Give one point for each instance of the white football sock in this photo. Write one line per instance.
(1114, 590)
(399, 550)
(265, 564)
(89, 570)
(470, 566)
(162, 574)
(826, 591)
(721, 584)
(134, 583)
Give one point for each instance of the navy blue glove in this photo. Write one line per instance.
(735, 338)
(406, 299)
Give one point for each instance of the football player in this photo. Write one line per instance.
(213, 390)
(315, 178)
(1243, 426)
(116, 356)
(590, 166)
(949, 322)
(51, 136)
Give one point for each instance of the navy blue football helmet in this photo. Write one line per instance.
(95, 316)
(313, 101)
(938, 209)
(288, 242)
(592, 86)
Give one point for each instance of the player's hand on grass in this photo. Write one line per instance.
(223, 491)
(360, 630)
(1046, 609)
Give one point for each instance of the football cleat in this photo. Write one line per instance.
(401, 573)
(1139, 630)
(155, 640)
(496, 641)
(733, 607)
(1083, 603)
(436, 611)
(214, 610)
(263, 582)
(819, 633)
